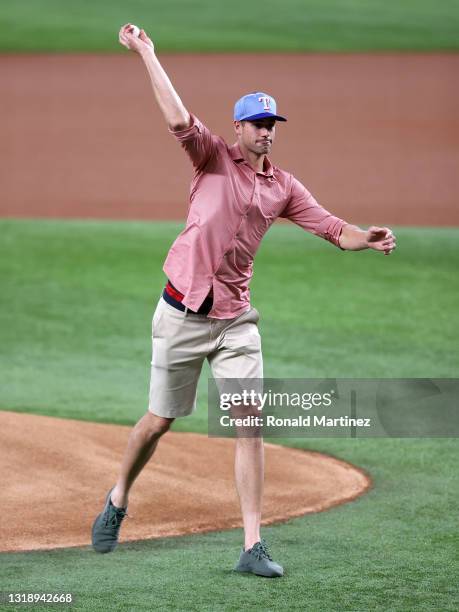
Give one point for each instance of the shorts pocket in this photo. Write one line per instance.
(157, 317)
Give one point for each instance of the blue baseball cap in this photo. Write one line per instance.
(257, 105)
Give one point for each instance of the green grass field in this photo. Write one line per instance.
(77, 298)
(179, 25)
(76, 304)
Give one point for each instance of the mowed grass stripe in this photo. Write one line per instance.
(315, 25)
(78, 297)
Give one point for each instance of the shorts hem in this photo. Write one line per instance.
(168, 414)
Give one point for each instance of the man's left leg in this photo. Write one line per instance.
(249, 475)
(239, 357)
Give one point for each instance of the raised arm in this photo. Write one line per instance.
(176, 115)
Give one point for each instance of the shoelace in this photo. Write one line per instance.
(116, 518)
(260, 550)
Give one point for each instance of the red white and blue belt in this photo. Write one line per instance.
(173, 297)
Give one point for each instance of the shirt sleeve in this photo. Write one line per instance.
(198, 142)
(303, 209)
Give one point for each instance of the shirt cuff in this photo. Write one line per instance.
(330, 229)
(189, 132)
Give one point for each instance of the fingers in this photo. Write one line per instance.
(389, 233)
(144, 37)
(389, 243)
(126, 37)
(381, 239)
(375, 235)
(384, 232)
(389, 246)
(134, 43)
(123, 35)
(124, 41)
(375, 230)
(125, 29)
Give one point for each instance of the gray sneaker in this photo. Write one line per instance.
(257, 560)
(106, 528)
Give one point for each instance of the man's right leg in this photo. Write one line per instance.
(141, 445)
(179, 344)
(178, 351)
(140, 448)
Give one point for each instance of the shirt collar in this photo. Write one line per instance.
(237, 156)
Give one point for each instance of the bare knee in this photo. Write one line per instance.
(253, 440)
(155, 425)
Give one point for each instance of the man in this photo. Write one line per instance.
(205, 312)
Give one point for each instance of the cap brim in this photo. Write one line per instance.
(262, 116)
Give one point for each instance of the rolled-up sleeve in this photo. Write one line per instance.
(304, 210)
(198, 142)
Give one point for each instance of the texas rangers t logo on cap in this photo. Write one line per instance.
(256, 105)
(266, 102)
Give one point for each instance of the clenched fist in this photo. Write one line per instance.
(138, 43)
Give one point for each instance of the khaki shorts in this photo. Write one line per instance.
(180, 343)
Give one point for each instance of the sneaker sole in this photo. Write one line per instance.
(248, 570)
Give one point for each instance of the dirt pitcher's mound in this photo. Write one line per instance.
(56, 473)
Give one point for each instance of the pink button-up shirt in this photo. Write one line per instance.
(231, 208)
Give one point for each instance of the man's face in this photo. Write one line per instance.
(256, 136)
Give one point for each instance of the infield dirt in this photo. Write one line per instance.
(374, 137)
(56, 474)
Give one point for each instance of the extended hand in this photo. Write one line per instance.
(134, 43)
(380, 239)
